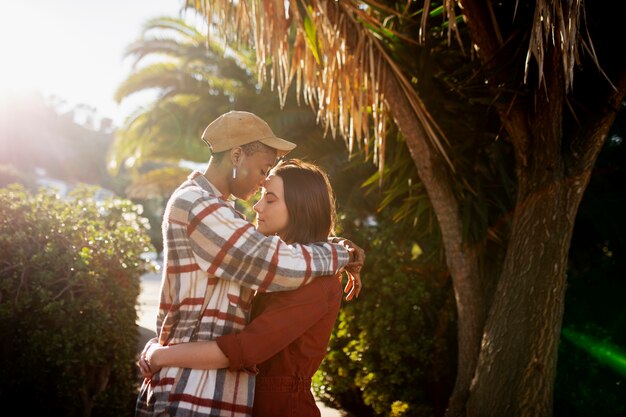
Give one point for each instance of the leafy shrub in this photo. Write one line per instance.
(69, 281)
(392, 352)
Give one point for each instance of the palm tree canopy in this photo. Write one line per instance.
(311, 43)
(193, 81)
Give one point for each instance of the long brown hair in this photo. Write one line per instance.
(309, 199)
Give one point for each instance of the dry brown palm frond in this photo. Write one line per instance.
(450, 15)
(425, 12)
(557, 24)
(338, 65)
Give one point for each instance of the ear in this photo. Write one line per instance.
(236, 155)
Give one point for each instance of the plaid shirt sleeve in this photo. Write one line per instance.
(229, 247)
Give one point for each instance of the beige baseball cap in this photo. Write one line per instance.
(237, 128)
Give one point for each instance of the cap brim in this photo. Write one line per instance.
(281, 145)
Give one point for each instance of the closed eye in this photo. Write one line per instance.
(270, 197)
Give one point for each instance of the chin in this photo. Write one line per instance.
(239, 196)
(262, 229)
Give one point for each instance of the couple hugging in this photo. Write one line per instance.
(246, 313)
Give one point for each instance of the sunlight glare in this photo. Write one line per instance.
(33, 48)
(606, 353)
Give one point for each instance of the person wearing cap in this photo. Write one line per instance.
(214, 261)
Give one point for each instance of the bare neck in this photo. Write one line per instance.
(217, 175)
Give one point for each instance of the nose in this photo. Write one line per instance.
(257, 206)
(263, 180)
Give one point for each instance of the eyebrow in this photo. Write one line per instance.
(270, 193)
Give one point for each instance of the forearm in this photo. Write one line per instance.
(229, 248)
(290, 272)
(196, 355)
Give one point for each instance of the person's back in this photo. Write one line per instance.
(283, 384)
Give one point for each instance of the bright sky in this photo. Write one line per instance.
(73, 49)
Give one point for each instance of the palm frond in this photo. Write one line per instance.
(160, 75)
(338, 67)
(176, 25)
(169, 127)
(194, 82)
(172, 48)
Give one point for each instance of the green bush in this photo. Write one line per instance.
(392, 352)
(69, 281)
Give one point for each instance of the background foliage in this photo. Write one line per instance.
(392, 351)
(70, 281)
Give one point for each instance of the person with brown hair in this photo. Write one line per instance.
(215, 260)
(287, 337)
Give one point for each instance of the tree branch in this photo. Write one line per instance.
(485, 37)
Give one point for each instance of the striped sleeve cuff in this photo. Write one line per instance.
(343, 256)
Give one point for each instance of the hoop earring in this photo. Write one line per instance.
(234, 172)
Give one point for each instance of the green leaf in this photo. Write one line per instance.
(311, 34)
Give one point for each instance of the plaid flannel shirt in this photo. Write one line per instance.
(214, 261)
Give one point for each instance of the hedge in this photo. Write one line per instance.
(393, 350)
(69, 281)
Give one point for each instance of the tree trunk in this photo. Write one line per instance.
(461, 259)
(517, 364)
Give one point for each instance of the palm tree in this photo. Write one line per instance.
(552, 80)
(195, 83)
(197, 79)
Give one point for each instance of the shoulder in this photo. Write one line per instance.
(191, 192)
(190, 195)
(190, 198)
(317, 296)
